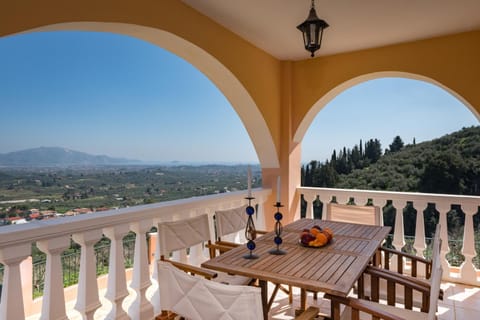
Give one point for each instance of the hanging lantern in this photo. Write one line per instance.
(312, 30)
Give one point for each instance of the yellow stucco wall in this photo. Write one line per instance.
(451, 61)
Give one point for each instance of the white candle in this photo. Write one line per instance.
(278, 189)
(249, 182)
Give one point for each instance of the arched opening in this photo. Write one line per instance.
(409, 108)
(224, 79)
(326, 99)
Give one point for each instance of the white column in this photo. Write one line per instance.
(117, 282)
(53, 304)
(443, 208)
(87, 297)
(467, 271)
(11, 306)
(141, 308)
(419, 243)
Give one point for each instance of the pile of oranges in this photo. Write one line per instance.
(316, 236)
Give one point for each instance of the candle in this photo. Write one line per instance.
(249, 182)
(278, 189)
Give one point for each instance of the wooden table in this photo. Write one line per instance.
(332, 269)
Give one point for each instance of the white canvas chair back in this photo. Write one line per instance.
(354, 214)
(231, 223)
(435, 280)
(199, 299)
(436, 246)
(186, 233)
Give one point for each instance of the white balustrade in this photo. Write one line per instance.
(11, 306)
(443, 203)
(141, 308)
(468, 250)
(117, 282)
(310, 208)
(419, 243)
(53, 307)
(87, 296)
(53, 237)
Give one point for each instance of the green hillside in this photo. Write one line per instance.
(450, 165)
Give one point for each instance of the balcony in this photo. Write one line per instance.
(136, 288)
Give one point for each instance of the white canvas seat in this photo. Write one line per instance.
(197, 298)
(230, 230)
(176, 237)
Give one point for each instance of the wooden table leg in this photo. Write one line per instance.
(264, 288)
(303, 302)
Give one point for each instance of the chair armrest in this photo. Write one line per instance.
(392, 274)
(261, 231)
(207, 274)
(405, 255)
(213, 247)
(227, 243)
(309, 314)
(363, 306)
(416, 284)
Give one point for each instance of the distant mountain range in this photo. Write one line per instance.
(58, 157)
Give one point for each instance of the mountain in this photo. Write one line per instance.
(57, 157)
(449, 165)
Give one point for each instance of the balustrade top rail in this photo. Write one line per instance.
(392, 195)
(45, 229)
(443, 205)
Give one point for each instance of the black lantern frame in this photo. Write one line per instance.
(312, 31)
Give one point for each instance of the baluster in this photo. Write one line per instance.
(398, 235)
(141, 308)
(360, 201)
(155, 241)
(11, 305)
(419, 243)
(87, 296)
(53, 303)
(117, 282)
(467, 271)
(310, 198)
(443, 208)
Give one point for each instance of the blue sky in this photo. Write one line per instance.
(109, 94)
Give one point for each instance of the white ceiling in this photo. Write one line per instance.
(354, 24)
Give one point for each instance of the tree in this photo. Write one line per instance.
(443, 173)
(396, 145)
(373, 150)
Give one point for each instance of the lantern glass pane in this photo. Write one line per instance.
(313, 34)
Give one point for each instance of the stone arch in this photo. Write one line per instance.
(218, 73)
(329, 96)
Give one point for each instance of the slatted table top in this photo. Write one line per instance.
(332, 269)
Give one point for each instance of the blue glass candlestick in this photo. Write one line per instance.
(278, 231)
(250, 232)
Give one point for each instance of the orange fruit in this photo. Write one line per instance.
(329, 233)
(322, 239)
